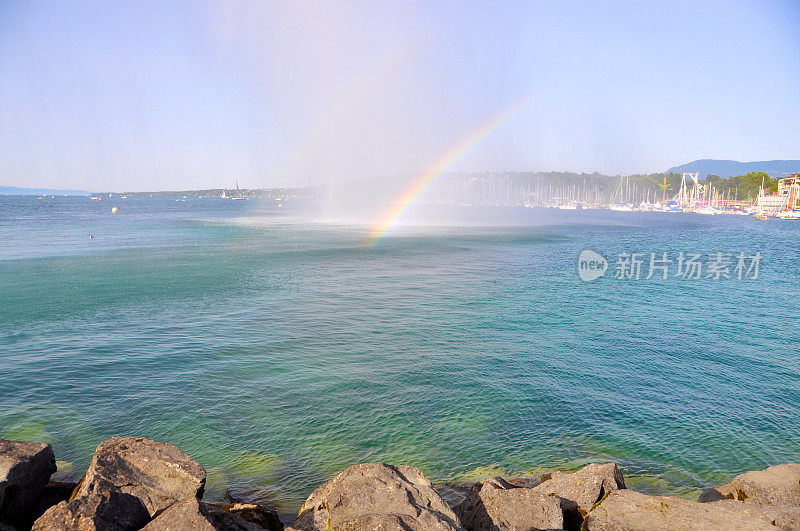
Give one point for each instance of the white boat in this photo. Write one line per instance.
(708, 211)
(621, 208)
(788, 214)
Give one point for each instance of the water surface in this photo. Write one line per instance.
(277, 351)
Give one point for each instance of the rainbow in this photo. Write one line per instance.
(431, 174)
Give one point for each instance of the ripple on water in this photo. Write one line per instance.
(279, 354)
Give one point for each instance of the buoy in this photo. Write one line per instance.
(114, 210)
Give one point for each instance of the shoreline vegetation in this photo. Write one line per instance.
(498, 187)
(137, 483)
(754, 193)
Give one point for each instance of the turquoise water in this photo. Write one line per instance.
(278, 351)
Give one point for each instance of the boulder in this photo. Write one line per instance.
(194, 514)
(499, 505)
(262, 515)
(158, 474)
(110, 511)
(25, 468)
(628, 510)
(381, 522)
(585, 487)
(723, 492)
(776, 485)
(378, 496)
(783, 517)
(774, 493)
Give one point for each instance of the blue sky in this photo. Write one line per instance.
(140, 95)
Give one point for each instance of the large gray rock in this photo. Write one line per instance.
(380, 522)
(776, 485)
(499, 505)
(111, 511)
(723, 492)
(129, 481)
(626, 510)
(25, 468)
(774, 493)
(783, 517)
(585, 487)
(158, 474)
(196, 515)
(579, 491)
(376, 496)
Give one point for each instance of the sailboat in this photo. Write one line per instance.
(619, 202)
(238, 196)
(760, 213)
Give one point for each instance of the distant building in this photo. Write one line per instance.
(789, 188)
(785, 184)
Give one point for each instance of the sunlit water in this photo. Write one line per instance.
(278, 352)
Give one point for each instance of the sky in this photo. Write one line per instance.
(124, 96)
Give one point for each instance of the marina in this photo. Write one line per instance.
(692, 196)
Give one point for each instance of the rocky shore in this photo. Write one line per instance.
(136, 483)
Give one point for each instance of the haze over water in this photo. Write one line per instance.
(277, 351)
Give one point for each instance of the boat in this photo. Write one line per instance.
(707, 211)
(621, 208)
(238, 196)
(788, 214)
(760, 213)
